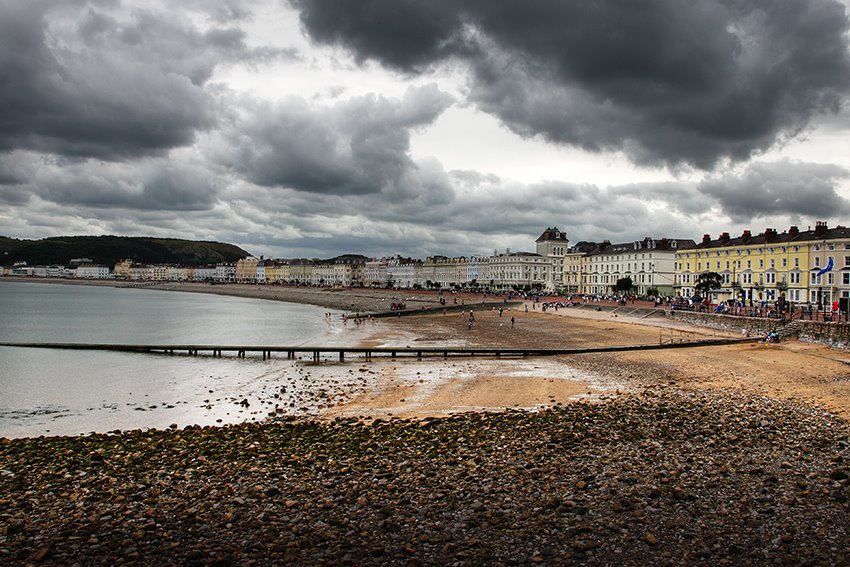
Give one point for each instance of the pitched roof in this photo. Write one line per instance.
(552, 234)
(771, 236)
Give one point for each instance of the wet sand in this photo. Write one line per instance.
(792, 370)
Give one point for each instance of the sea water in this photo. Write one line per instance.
(65, 392)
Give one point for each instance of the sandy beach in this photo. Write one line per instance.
(792, 370)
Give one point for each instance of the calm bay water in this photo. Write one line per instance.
(56, 392)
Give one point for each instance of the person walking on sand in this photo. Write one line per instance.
(512, 322)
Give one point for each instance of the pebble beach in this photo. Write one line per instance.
(733, 455)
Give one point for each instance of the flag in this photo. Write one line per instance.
(828, 267)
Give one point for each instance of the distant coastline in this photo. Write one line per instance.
(362, 300)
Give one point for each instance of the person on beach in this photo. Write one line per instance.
(512, 322)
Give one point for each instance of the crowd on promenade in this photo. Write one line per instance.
(780, 309)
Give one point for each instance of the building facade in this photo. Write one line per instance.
(650, 264)
(811, 266)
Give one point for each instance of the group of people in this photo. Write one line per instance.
(470, 321)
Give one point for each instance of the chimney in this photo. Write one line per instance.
(820, 228)
(794, 231)
(746, 236)
(724, 237)
(706, 238)
(769, 235)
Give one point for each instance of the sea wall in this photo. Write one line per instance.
(755, 325)
(831, 334)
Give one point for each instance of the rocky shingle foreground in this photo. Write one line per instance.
(659, 478)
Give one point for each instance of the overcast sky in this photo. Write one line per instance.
(317, 128)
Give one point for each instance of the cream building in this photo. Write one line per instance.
(649, 263)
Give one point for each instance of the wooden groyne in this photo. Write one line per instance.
(368, 353)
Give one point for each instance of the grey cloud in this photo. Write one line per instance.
(483, 214)
(155, 184)
(667, 82)
(682, 197)
(780, 188)
(91, 80)
(359, 146)
(223, 10)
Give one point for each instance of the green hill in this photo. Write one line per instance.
(108, 250)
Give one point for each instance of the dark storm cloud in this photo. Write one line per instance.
(358, 146)
(79, 81)
(408, 35)
(781, 188)
(664, 81)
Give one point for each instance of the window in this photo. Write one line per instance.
(796, 262)
(770, 277)
(773, 263)
(761, 263)
(845, 278)
(749, 264)
(817, 261)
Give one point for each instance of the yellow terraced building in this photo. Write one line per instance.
(764, 267)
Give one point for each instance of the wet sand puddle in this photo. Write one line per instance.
(442, 387)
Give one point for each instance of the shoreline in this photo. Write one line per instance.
(351, 300)
(792, 370)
